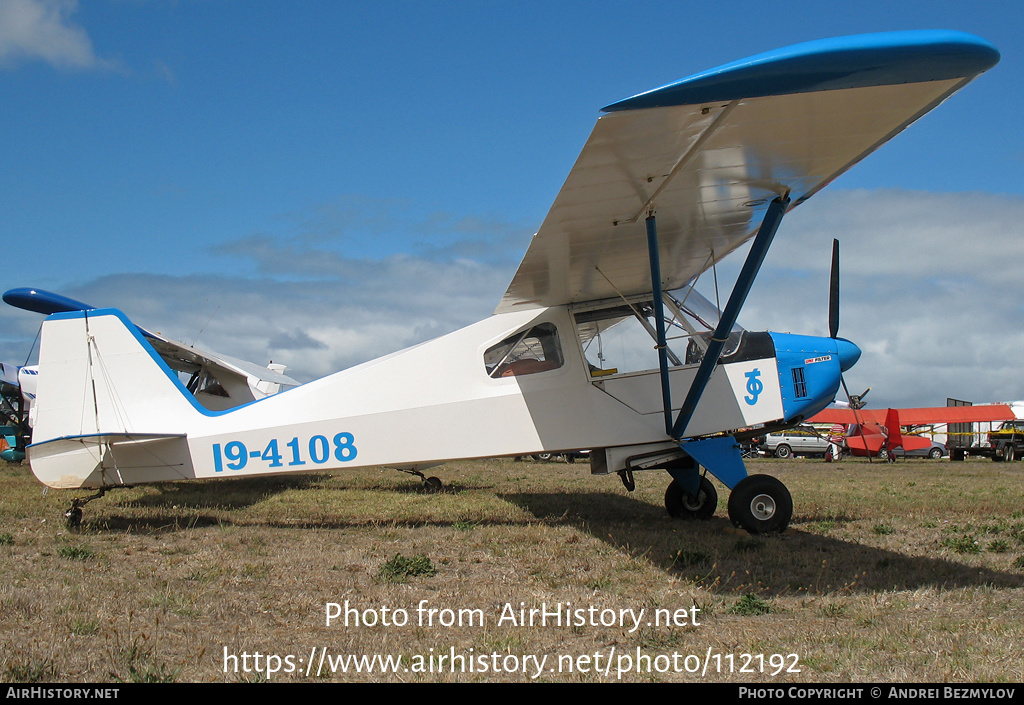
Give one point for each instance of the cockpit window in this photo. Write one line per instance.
(528, 352)
(617, 337)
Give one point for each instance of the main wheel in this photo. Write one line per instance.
(783, 451)
(761, 504)
(682, 504)
(1011, 453)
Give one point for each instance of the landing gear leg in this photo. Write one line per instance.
(760, 504)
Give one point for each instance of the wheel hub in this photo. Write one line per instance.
(694, 503)
(762, 507)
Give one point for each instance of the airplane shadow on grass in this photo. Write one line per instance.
(708, 552)
(173, 506)
(713, 552)
(225, 495)
(229, 494)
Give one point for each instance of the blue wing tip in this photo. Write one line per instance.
(828, 64)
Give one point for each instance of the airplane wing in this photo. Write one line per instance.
(190, 359)
(710, 152)
(919, 416)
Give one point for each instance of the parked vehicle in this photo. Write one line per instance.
(934, 452)
(802, 440)
(1007, 442)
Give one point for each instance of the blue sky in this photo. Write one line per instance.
(323, 182)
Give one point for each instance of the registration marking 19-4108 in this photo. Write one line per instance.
(318, 450)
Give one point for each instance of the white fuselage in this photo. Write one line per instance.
(417, 407)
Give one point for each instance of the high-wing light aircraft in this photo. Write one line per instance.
(669, 182)
(878, 430)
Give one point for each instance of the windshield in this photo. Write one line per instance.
(617, 336)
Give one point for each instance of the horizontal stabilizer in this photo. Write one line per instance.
(111, 459)
(99, 439)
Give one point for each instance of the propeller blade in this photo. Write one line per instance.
(833, 293)
(856, 404)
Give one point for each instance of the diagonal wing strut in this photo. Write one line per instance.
(751, 267)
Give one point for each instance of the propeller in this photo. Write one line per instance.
(856, 400)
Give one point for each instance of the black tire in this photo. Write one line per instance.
(883, 454)
(761, 504)
(432, 485)
(542, 457)
(783, 451)
(683, 505)
(73, 517)
(1010, 453)
(935, 453)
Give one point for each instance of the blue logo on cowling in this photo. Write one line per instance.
(754, 386)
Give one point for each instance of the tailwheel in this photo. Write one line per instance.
(432, 485)
(761, 504)
(73, 517)
(682, 504)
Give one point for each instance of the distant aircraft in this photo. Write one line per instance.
(876, 432)
(17, 389)
(669, 182)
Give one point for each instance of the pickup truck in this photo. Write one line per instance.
(1007, 441)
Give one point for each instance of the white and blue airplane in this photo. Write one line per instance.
(669, 182)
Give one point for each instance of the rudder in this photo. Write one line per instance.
(107, 406)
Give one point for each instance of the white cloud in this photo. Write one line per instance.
(930, 292)
(42, 29)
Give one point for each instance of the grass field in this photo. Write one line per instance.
(905, 572)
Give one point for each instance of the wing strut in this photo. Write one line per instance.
(659, 317)
(752, 265)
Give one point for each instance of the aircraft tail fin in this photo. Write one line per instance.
(894, 439)
(106, 403)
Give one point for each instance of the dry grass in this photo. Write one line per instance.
(910, 572)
